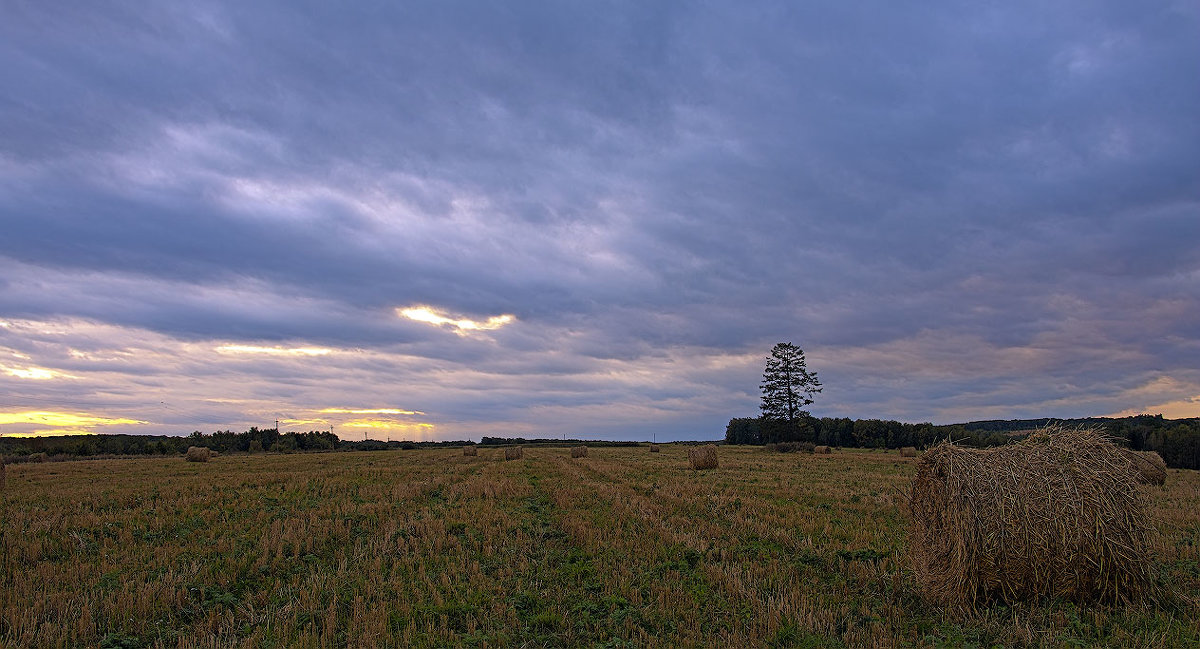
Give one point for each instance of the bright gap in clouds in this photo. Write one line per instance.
(387, 422)
(1179, 409)
(68, 423)
(370, 411)
(274, 351)
(461, 326)
(35, 373)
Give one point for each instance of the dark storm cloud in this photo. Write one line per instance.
(937, 203)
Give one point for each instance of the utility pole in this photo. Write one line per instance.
(277, 425)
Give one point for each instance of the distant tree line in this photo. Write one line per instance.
(540, 441)
(266, 439)
(1176, 440)
(255, 440)
(845, 432)
(224, 441)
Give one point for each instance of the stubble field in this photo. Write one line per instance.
(428, 548)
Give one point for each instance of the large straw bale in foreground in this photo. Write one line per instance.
(703, 457)
(1148, 466)
(470, 451)
(909, 451)
(1058, 514)
(513, 453)
(579, 451)
(198, 454)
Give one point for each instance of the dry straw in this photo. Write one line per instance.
(1148, 466)
(821, 450)
(703, 457)
(655, 449)
(579, 451)
(470, 451)
(513, 453)
(198, 454)
(1056, 515)
(908, 451)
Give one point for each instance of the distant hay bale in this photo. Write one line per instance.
(703, 457)
(513, 453)
(908, 451)
(1148, 466)
(579, 451)
(1058, 514)
(821, 450)
(37, 457)
(655, 449)
(470, 451)
(198, 454)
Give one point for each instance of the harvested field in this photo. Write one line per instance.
(428, 548)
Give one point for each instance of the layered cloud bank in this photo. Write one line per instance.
(462, 220)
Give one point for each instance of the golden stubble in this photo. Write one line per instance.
(434, 548)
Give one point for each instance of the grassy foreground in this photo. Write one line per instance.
(624, 548)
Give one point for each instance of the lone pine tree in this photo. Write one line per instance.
(787, 386)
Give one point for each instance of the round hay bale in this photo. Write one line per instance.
(37, 457)
(703, 457)
(470, 451)
(579, 451)
(198, 454)
(513, 453)
(908, 451)
(655, 449)
(821, 450)
(1058, 514)
(1148, 466)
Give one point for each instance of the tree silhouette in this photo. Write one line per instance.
(787, 386)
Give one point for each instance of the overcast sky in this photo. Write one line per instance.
(452, 219)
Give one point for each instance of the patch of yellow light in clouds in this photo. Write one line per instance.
(67, 423)
(387, 424)
(52, 432)
(1181, 409)
(274, 351)
(35, 373)
(369, 411)
(461, 325)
